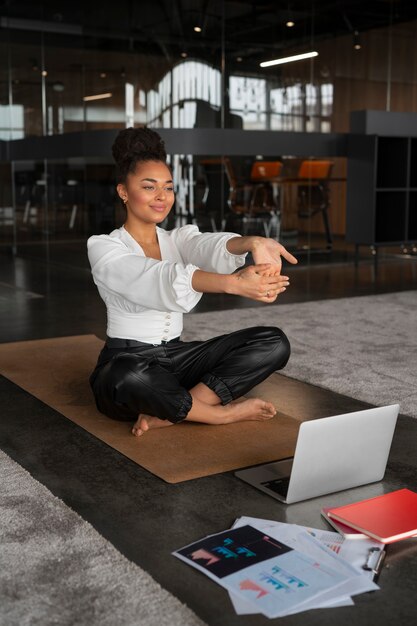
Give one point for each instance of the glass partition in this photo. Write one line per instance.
(282, 197)
(7, 213)
(141, 64)
(32, 192)
(200, 67)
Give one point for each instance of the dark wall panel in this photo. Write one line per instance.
(198, 141)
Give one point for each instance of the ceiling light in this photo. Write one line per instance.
(289, 23)
(295, 57)
(239, 59)
(58, 86)
(356, 41)
(103, 75)
(99, 96)
(184, 55)
(197, 29)
(44, 73)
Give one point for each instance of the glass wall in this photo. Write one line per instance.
(80, 67)
(144, 63)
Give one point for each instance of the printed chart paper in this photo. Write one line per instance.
(258, 568)
(348, 556)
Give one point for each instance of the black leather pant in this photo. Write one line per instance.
(155, 380)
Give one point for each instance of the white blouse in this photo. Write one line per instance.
(146, 298)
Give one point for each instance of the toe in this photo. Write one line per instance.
(144, 426)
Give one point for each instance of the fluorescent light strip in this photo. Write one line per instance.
(99, 96)
(296, 57)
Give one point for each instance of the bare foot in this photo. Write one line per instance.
(250, 409)
(147, 422)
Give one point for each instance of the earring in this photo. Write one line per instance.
(124, 200)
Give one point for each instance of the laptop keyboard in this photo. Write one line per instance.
(278, 485)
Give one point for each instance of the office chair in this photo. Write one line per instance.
(262, 170)
(67, 199)
(256, 203)
(208, 214)
(314, 197)
(265, 176)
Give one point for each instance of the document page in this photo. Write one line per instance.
(273, 576)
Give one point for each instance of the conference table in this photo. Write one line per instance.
(284, 189)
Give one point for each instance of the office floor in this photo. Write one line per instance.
(142, 516)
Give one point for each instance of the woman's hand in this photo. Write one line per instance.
(265, 250)
(258, 282)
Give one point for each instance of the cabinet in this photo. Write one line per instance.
(381, 206)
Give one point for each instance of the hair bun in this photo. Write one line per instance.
(138, 144)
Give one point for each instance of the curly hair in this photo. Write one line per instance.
(134, 145)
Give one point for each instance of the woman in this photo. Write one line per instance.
(148, 278)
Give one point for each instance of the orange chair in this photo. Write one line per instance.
(244, 203)
(264, 204)
(265, 175)
(314, 197)
(265, 169)
(315, 169)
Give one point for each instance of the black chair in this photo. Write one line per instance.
(210, 213)
(252, 203)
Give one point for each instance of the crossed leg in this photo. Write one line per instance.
(207, 409)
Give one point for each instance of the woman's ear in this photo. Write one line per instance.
(121, 190)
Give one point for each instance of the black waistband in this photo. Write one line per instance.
(115, 342)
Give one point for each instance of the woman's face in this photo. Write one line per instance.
(149, 192)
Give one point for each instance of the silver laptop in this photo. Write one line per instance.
(332, 453)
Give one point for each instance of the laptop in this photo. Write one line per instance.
(331, 454)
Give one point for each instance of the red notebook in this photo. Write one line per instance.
(386, 518)
(346, 531)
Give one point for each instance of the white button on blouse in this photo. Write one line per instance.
(141, 293)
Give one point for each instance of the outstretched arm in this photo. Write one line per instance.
(263, 249)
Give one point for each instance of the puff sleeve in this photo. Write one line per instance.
(152, 284)
(207, 250)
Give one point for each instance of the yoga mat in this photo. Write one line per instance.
(56, 371)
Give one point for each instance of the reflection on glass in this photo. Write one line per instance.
(7, 214)
(161, 88)
(11, 122)
(94, 80)
(59, 203)
(247, 98)
(187, 96)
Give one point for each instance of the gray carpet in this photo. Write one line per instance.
(56, 569)
(363, 347)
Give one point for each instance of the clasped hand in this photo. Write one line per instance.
(258, 282)
(264, 281)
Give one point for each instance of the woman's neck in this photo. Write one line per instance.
(145, 234)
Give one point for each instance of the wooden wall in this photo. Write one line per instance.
(382, 75)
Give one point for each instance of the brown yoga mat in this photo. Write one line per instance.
(56, 371)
